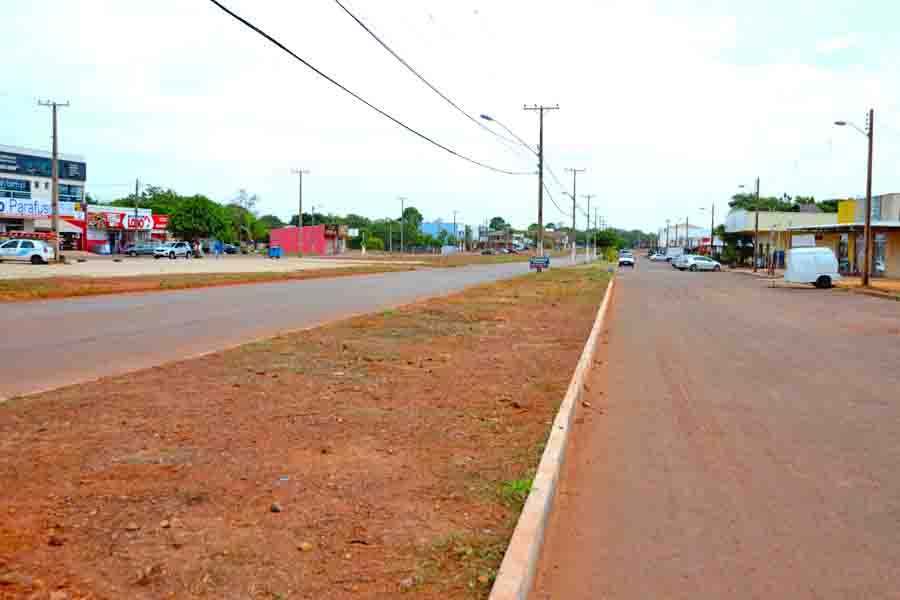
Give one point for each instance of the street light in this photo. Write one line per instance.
(509, 131)
(867, 233)
(755, 227)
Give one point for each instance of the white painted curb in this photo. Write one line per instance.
(516, 575)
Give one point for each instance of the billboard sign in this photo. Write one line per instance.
(39, 166)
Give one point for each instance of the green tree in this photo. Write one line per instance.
(608, 238)
(498, 224)
(199, 217)
(374, 243)
(468, 235)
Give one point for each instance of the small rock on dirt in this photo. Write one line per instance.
(586, 404)
(275, 508)
(408, 583)
(132, 527)
(517, 404)
(56, 540)
(305, 547)
(165, 524)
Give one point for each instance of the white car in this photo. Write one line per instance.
(173, 250)
(626, 260)
(34, 251)
(658, 257)
(693, 262)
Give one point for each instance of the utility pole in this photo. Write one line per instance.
(868, 229)
(137, 194)
(55, 175)
(402, 200)
(667, 233)
(541, 110)
(687, 233)
(455, 232)
(390, 236)
(574, 173)
(712, 230)
(595, 234)
(587, 257)
(676, 234)
(756, 230)
(300, 173)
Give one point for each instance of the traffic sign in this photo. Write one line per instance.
(539, 263)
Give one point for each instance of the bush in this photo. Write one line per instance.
(374, 243)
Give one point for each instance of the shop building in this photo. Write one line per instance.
(325, 240)
(846, 237)
(26, 194)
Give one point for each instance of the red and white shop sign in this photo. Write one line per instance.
(160, 221)
(140, 222)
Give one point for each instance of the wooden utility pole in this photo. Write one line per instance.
(867, 266)
(756, 230)
(55, 175)
(587, 256)
(541, 110)
(574, 173)
(300, 173)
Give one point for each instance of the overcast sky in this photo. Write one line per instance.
(668, 105)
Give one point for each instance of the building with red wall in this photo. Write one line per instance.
(325, 240)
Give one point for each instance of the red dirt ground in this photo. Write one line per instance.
(394, 445)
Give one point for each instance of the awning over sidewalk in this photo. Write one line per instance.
(64, 226)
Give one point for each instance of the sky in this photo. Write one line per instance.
(670, 106)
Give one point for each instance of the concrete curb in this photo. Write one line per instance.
(516, 575)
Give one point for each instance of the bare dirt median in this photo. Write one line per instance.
(23, 290)
(383, 454)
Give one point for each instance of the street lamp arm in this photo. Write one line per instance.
(853, 125)
(510, 132)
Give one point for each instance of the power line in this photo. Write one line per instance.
(420, 77)
(564, 213)
(334, 82)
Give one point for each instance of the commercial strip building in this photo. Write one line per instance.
(846, 236)
(324, 240)
(842, 231)
(26, 195)
(26, 205)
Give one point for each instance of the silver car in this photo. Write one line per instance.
(693, 262)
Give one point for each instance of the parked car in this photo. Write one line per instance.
(34, 251)
(817, 266)
(658, 257)
(141, 249)
(231, 249)
(173, 250)
(626, 260)
(693, 262)
(488, 252)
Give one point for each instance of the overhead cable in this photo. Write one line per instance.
(381, 112)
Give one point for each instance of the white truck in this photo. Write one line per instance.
(817, 266)
(673, 253)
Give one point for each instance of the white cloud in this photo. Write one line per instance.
(836, 44)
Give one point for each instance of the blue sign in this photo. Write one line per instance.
(539, 262)
(39, 166)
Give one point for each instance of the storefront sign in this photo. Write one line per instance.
(40, 166)
(160, 221)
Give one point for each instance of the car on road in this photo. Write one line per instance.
(626, 260)
(173, 250)
(488, 252)
(694, 262)
(141, 249)
(230, 249)
(659, 256)
(36, 252)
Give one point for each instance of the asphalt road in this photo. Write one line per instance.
(743, 442)
(54, 343)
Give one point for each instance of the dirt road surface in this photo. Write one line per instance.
(58, 342)
(743, 442)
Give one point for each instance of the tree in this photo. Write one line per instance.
(608, 238)
(498, 224)
(413, 220)
(161, 201)
(443, 237)
(199, 217)
(271, 222)
(375, 243)
(468, 236)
